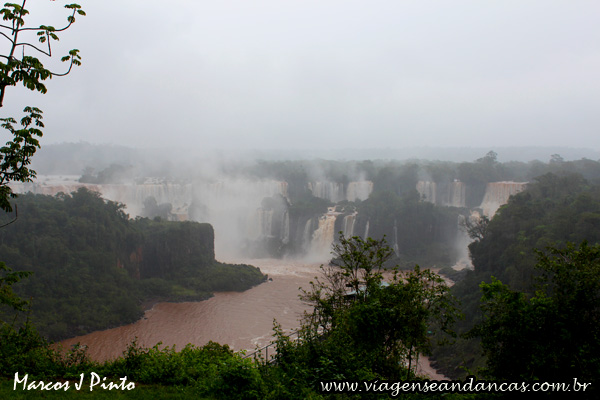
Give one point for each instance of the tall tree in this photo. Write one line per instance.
(15, 156)
(28, 69)
(360, 322)
(553, 335)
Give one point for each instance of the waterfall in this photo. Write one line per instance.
(261, 224)
(360, 190)
(307, 234)
(131, 194)
(455, 195)
(348, 226)
(497, 194)
(332, 191)
(427, 190)
(462, 242)
(366, 230)
(134, 195)
(323, 236)
(235, 209)
(285, 228)
(396, 247)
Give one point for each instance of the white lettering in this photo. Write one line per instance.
(94, 380)
(17, 380)
(78, 387)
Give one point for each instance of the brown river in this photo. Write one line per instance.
(243, 320)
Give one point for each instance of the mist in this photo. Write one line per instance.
(297, 207)
(324, 76)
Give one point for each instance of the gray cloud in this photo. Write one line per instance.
(313, 74)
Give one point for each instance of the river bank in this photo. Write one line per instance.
(242, 320)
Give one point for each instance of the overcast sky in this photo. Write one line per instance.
(310, 74)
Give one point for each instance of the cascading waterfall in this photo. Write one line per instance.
(334, 191)
(455, 195)
(286, 228)
(497, 194)
(452, 194)
(360, 190)
(348, 227)
(307, 235)
(261, 224)
(246, 210)
(235, 209)
(396, 247)
(323, 236)
(331, 191)
(427, 190)
(131, 194)
(463, 240)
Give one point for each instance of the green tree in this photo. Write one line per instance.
(363, 326)
(553, 335)
(7, 295)
(475, 227)
(30, 70)
(15, 156)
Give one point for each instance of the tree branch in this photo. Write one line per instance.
(49, 53)
(8, 37)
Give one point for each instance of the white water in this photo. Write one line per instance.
(331, 191)
(452, 194)
(132, 195)
(323, 236)
(497, 194)
(335, 192)
(427, 190)
(360, 190)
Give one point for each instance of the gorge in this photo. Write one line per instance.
(259, 218)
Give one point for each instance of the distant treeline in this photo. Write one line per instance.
(93, 267)
(402, 176)
(420, 232)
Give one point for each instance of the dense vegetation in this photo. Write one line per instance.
(553, 334)
(536, 325)
(535, 317)
(94, 268)
(360, 329)
(374, 332)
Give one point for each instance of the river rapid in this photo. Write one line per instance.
(243, 320)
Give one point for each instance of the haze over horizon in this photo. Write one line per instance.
(267, 75)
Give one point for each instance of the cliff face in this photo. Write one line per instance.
(93, 265)
(168, 248)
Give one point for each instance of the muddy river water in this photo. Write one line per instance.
(243, 320)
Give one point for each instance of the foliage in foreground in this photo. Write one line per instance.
(364, 331)
(212, 370)
(361, 329)
(554, 334)
(552, 211)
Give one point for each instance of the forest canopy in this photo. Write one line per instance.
(93, 267)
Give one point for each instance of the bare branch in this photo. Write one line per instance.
(16, 216)
(66, 73)
(49, 54)
(55, 30)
